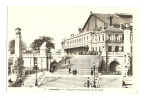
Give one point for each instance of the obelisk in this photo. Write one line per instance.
(18, 67)
(127, 49)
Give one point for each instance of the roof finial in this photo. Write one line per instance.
(91, 12)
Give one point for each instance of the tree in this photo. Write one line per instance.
(36, 44)
(12, 46)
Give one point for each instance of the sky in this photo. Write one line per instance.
(56, 22)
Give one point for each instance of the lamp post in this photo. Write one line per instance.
(94, 75)
(95, 85)
(88, 84)
(99, 57)
(41, 65)
(35, 60)
(30, 66)
(48, 58)
(35, 66)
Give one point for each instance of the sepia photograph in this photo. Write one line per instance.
(71, 49)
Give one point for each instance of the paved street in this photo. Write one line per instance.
(63, 81)
(29, 80)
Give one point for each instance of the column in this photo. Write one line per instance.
(114, 37)
(127, 50)
(19, 62)
(120, 37)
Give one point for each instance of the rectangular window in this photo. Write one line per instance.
(116, 48)
(116, 37)
(99, 49)
(109, 48)
(122, 37)
(109, 37)
(122, 48)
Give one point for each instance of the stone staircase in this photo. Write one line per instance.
(82, 63)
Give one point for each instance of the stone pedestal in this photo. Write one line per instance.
(127, 49)
(43, 53)
(19, 70)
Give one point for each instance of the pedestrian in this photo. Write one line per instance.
(88, 82)
(75, 72)
(52, 69)
(69, 70)
(65, 60)
(20, 81)
(91, 72)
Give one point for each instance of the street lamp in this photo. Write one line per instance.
(35, 66)
(30, 66)
(35, 61)
(99, 57)
(94, 75)
(41, 65)
(49, 59)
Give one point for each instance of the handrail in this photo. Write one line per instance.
(59, 64)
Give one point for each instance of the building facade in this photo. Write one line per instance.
(102, 34)
(98, 29)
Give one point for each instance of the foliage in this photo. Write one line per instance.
(36, 44)
(12, 46)
(10, 62)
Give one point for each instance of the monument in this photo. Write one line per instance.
(18, 60)
(127, 50)
(45, 53)
(62, 50)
